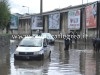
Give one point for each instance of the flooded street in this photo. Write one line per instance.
(72, 62)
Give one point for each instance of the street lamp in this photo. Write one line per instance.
(27, 7)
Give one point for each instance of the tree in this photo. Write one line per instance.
(4, 14)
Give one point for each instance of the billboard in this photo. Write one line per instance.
(14, 22)
(74, 19)
(54, 21)
(91, 15)
(37, 22)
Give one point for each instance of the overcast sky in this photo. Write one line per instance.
(48, 5)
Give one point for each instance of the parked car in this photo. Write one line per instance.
(32, 47)
(49, 37)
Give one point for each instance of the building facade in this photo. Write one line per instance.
(83, 19)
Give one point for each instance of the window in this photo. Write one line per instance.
(31, 42)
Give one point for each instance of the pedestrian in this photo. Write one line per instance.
(38, 32)
(71, 37)
(97, 45)
(94, 43)
(67, 43)
(75, 37)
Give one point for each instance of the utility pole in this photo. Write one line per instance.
(82, 2)
(41, 10)
(87, 1)
(41, 2)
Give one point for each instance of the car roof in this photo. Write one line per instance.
(41, 34)
(29, 37)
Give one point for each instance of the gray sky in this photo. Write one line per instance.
(48, 5)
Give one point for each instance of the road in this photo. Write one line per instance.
(76, 61)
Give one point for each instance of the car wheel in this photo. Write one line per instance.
(15, 57)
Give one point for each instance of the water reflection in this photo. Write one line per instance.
(77, 62)
(97, 61)
(90, 63)
(75, 45)
(28, 67)
(31, 67)
(66, 63)
(4, 60)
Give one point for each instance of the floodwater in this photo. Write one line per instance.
(76, 61)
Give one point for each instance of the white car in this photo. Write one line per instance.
(49, 37)
(32, 47)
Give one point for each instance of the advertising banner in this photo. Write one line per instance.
(74, 19)
(54, 21)
(91, 16)
(37, 22)
(14, 22)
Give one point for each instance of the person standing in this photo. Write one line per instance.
(38, 32)
(75, 37)
(71, 38)
(94, 43)
(67, 43)
(97, 44)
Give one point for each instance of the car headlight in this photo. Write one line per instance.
(16, 52)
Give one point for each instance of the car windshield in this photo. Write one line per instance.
(31, 42)
(48, 36)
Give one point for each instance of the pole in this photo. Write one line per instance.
(84, 25)
(41, 6)
(82, 2)
(87, 1)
